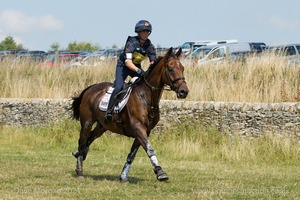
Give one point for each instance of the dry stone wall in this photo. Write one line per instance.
(250, 119)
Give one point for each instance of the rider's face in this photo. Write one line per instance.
(144, 34)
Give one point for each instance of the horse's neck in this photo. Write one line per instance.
(155, 77)
(155, 84)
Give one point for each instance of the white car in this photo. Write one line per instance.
(290, 51)
(216, 53)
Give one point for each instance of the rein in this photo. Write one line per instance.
(172, 82)
(172, 87)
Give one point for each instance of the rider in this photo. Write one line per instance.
(129, 63)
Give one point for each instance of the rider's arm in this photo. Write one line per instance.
(130, 65)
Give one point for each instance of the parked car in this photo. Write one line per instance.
(189, 47)
(8, 54)
(289, 51)
(90, 60)
(32, 55)
(58, 60)
(111, 54)
(4, 55)
(258, 47)
(97, 58)
(100, 51)
(217, 42)
(219, 52)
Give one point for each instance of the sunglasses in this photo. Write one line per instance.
(145, 31)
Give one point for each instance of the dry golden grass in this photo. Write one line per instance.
(265, 79)
(260, 79)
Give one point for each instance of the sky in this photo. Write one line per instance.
(37, 24)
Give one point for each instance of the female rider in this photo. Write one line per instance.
(137, 48)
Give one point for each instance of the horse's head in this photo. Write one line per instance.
(174, 73)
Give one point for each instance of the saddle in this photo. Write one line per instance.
(122, 97)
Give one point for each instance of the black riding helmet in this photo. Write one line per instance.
(143, 25)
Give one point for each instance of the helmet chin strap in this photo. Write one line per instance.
(142, 40)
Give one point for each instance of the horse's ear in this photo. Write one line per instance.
(169, 53)
(178, 53)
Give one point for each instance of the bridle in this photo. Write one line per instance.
(153, 106)
(171, 82)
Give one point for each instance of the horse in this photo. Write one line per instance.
(137, 118)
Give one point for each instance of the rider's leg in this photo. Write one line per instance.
(121, 75)
(111, 105)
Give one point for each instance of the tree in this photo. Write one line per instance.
(9, 43)
(54, 46)
(82, 46)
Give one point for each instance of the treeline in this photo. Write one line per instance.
(9, 43)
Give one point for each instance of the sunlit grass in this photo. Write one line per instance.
(201, 163)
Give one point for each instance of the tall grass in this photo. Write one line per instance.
(30, 81)
(260, 79)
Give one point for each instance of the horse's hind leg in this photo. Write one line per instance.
(130, 158)
(85, 140)
(84, 134)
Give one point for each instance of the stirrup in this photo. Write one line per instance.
(108, 115)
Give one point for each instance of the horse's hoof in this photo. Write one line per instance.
(124, 180)
(75, 154)
(161, 175)
(79, 173)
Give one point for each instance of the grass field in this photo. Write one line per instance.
(36, 163)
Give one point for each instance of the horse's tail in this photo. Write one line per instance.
(76, 103)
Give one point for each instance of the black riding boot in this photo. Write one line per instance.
(111, 106)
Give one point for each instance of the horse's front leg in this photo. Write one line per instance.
(130, 158)
(160, 174)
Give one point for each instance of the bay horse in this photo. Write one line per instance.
(138, 117)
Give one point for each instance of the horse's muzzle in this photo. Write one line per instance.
(182, 93)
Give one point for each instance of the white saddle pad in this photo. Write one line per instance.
(118, 108)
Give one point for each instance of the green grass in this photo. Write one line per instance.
(36, 163)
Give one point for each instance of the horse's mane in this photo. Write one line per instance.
(151, 67)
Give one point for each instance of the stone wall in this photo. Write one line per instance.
(250, 119)
(33, 111)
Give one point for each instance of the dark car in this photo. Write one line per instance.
(32, 55)
(289, 51)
